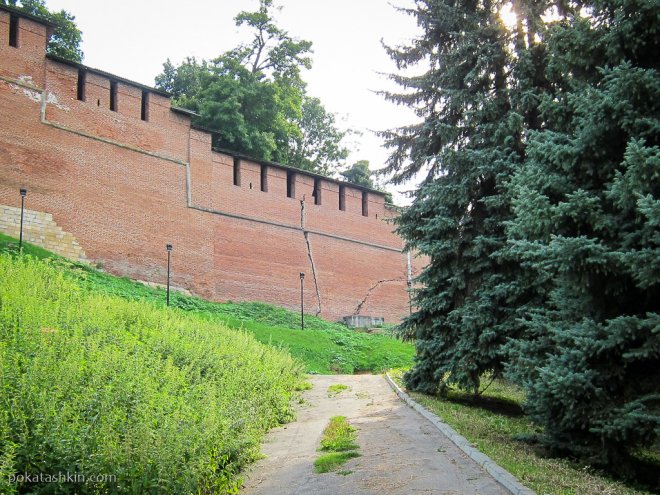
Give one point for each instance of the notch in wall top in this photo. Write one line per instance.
(13, 30)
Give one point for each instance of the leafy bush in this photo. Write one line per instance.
(166, 402)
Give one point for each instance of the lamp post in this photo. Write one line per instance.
(20, 238)
(302, 301)
(169, 253)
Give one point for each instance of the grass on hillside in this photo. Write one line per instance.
(493, 421)
(338, 442)
(323, 346)
(163, 400)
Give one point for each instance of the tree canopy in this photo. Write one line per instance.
(359, 173)
(539, 143)
(255, 100)
(65, 41)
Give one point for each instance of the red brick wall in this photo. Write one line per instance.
(125, 187)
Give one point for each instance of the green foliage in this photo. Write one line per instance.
(359, 174)
(9, 245)
(539, 212)
(338, 440)
(587, 211)
(333, 460)
(339, 435)
(317, 147)
(323, 346)
(272, 50)
(65, 41)
(337, 389)
(254, 98)
(468, 142)
(94, 384)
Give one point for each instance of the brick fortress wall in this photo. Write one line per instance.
(128, 180)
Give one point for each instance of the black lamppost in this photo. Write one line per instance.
(20, 238)
(169, 253)
(302, 301)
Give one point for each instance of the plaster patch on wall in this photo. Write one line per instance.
(27, 80)
(30, 90)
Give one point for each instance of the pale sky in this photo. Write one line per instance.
(132, 39)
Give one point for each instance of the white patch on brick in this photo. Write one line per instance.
(26, 80)
(35, 95)
(52, 99)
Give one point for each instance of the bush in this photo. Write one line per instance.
(96, 385)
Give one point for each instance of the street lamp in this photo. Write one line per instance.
(169, 253)
(302, 301)
(20, 239)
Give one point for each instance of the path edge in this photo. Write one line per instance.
(501, 475)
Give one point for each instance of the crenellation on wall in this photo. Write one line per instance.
(304, 187)
(130, 102)
(168, 137)
(125, 187)
(97, 90)
(250, 175)
(277, 182)
(28, 58)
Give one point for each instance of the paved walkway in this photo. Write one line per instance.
(401, 452)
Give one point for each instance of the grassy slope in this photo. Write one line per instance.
(166, 401)
(324, 347)
(493, 421)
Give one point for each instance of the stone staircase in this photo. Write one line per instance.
(40, 229)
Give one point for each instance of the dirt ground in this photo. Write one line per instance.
(400, 451)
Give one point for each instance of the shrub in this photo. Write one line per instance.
(164, 401)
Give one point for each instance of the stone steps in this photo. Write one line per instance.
(40, 229)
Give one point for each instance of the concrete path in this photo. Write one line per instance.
(401, 452)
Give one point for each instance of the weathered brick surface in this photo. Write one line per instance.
(123, 188)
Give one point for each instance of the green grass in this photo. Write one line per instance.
(339, 435)
(494, 421)
(10, 245)
(323, 346)
(337, 389)
(338, 442)
(332, 461)
(165, 400)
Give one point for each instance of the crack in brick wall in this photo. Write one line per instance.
(373, 288)
(310, 255)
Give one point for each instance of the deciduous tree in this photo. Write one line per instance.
(254, 98)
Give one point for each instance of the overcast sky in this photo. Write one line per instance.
(132, 39)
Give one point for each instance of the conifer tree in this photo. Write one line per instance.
(475, 100)
(587, 223)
